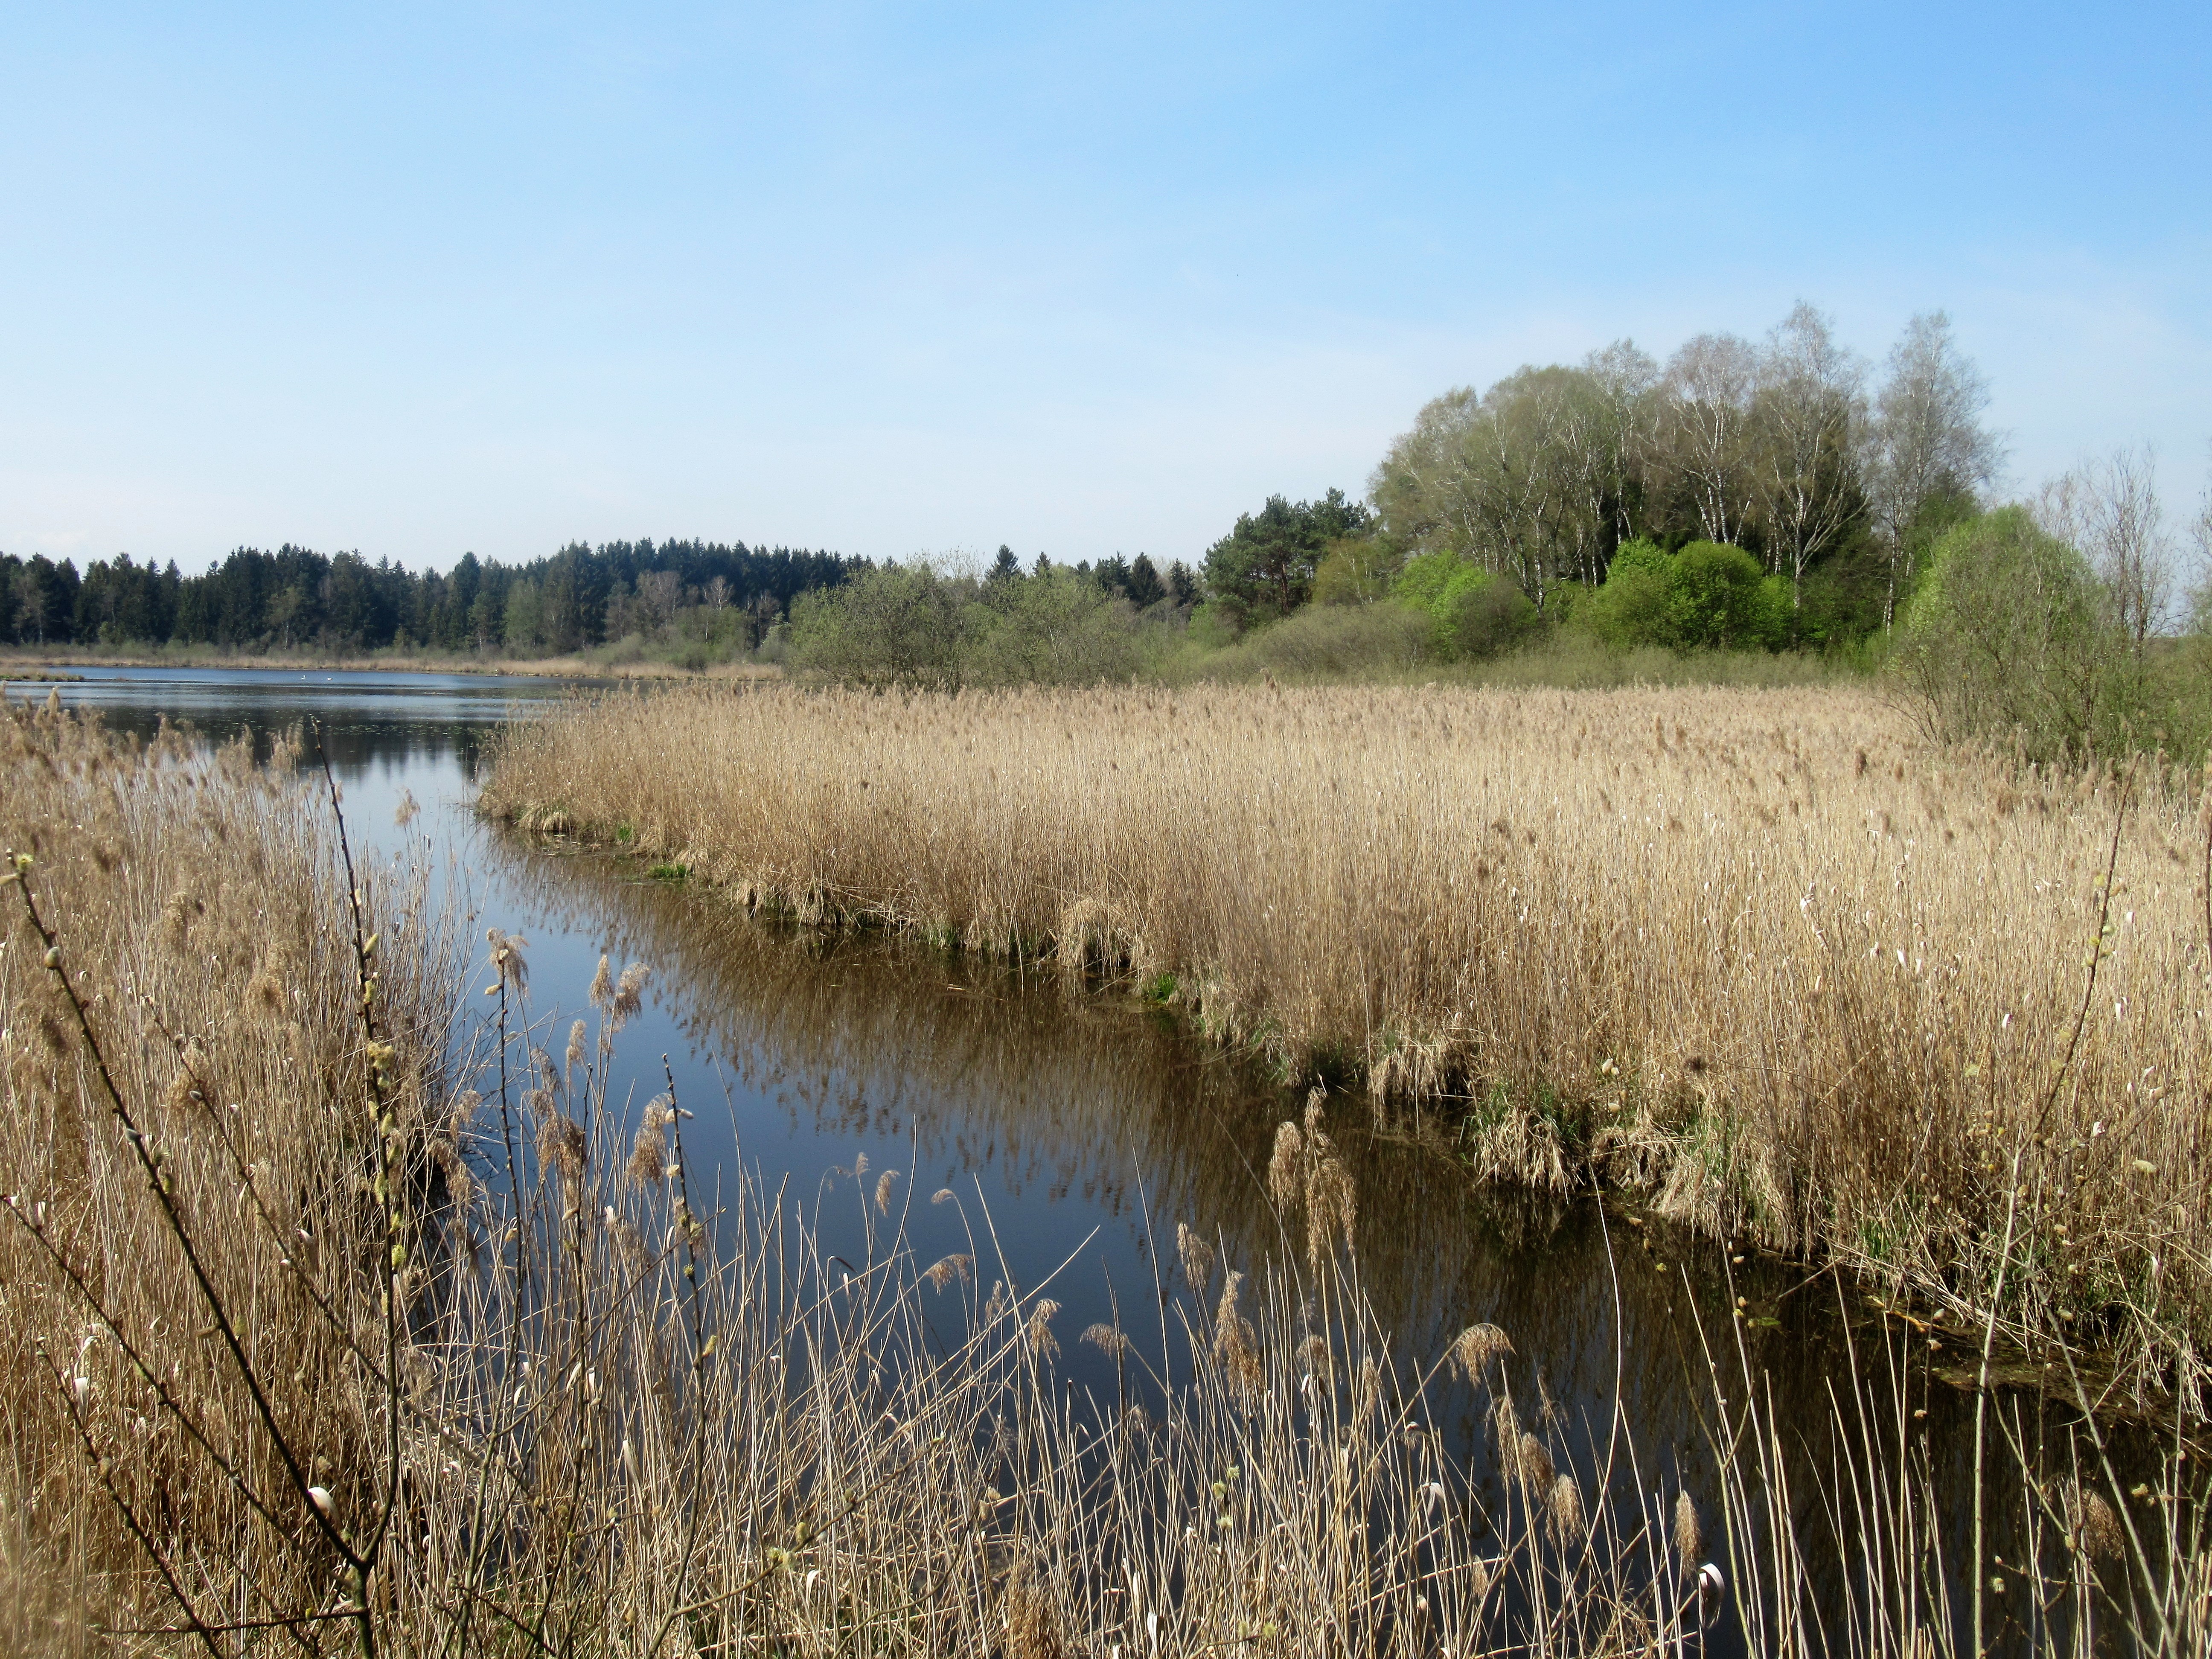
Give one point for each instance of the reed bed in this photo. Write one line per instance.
(1768, 957)
(312, 1349)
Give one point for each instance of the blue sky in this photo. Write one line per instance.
(422, 279)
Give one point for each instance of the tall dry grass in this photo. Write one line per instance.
(309, 1349)
(1767, 956)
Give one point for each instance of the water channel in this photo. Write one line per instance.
(1083, 1126)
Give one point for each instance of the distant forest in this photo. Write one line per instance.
(573, 600)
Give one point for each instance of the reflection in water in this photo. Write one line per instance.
(1078, 1129)
(1060, 1103)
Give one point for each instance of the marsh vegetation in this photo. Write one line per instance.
(1776, 958)
(328, 1332)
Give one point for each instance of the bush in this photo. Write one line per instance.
(900, 625)
(1713, 598)
(1329, 642)
(1052, 628)
(2008, 635)
(1472, 612)
(1708, 596)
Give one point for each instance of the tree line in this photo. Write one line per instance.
(1830, 477)
(577, 598)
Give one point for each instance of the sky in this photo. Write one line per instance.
(886, 279)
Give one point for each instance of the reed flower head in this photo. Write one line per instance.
(1689, 1536)
(1108, 1340)
(1476, 1346)
(1563, 1512)
(1197, 1258)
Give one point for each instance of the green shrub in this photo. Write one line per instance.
(1713, 599)
(1472, 612)
(899, 625)
(1333, 641)
(1708, 596)
(2008, 635)
(1052, 628)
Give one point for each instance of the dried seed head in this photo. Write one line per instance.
(1236, 1344)
(1285, 1170)
(630, 995)
(1197, 1259)
(942, 1195)
(2100, 1528)
(884, 1191)
(646, 1153)
(1040, 1328)
(1535, 1463)
(1107, 1340)
(1476, 1346)
(1563, 1512)
(603, 985)
(1689, 1536)
(574, 1056)
(560, 1144)
(1332, 1205)
(953, 1267)
(506, 958)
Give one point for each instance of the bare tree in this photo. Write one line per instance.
(2110, 511)
(717, 592)
(1704, 429)
(1421, 488)
(1625, 382)
(659, 592)
(1926, 439)
(2200, 533)
(1808, 411)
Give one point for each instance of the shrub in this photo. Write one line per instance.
(1472, 612)
(2008, 636)
(1331, 642)
(900, 625)
(1713, 597)
(1052, 628)
(1708, 596)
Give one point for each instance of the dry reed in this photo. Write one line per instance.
(1766, 957)
(612, 1416)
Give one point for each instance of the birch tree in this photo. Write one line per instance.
(1925, 441)
(1704, 429)
(1809, 409)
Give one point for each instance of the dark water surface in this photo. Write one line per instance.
(1079, 1129)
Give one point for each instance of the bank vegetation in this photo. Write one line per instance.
(1781, 960)
(330, 1328)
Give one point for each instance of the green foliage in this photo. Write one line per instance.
(1707, 597)
(1473, 613)
(1055, 629)
(578, 599)
(897, 625)
(915, 625)
(1325, 642)
(1356, 570)
(2008, 635)
(1713, 599)
(1266, 564)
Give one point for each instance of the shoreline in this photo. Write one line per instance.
(14, 661)
(1594, 940)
